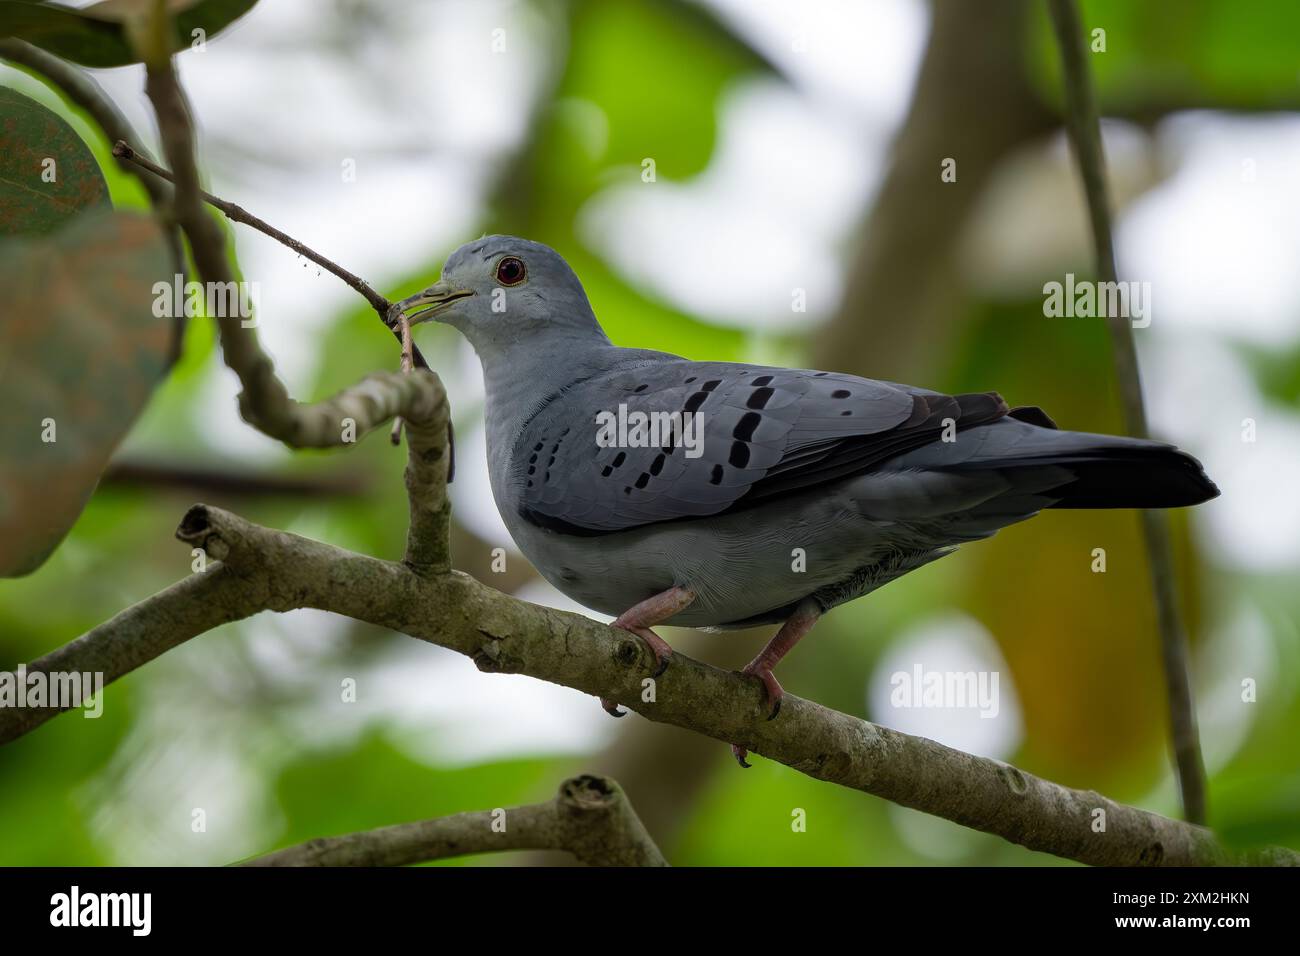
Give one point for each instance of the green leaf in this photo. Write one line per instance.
(65, 32)
(47, 173)
(378, 784)
(617, 63)
(96, 35)
(1209, 53)
(83, 352)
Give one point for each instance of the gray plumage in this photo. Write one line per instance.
(867, 479)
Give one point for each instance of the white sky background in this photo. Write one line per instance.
(1218, 239)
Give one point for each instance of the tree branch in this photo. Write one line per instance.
(264, 402)
(138, 634)
(1085, 133)
(281, 571)
(428, 440)
(589, 817)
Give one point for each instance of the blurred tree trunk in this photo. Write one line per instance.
(973, 104)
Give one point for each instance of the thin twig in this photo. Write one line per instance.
(1085, 132)
(124, 151)
(408, 363)
(408, 346)
(231, 211)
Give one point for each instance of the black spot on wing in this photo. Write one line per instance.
(767, 433)
(744, 430)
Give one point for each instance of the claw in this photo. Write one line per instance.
(661, 649)
(773, 693)
(658, 646)
(655, 610)
(795, 627)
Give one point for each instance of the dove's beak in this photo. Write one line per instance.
(437, 298)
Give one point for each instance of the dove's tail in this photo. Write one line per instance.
(1048, 468)
(1160, 477)
(1094, 471)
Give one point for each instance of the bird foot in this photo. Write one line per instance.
(773, 693)
(661, 649)
(658, 646)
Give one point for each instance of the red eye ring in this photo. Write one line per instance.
(511, 271)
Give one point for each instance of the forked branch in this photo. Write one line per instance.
(590, 817)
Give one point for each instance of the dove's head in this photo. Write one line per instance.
(505, 294)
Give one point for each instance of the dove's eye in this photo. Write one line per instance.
(510, 271)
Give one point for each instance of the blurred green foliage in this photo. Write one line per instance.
(1182, 52)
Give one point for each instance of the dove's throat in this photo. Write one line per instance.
(520, 382)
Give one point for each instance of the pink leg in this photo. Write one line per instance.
(641, 617)
(795, 627)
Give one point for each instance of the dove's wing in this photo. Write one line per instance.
(764, 432)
